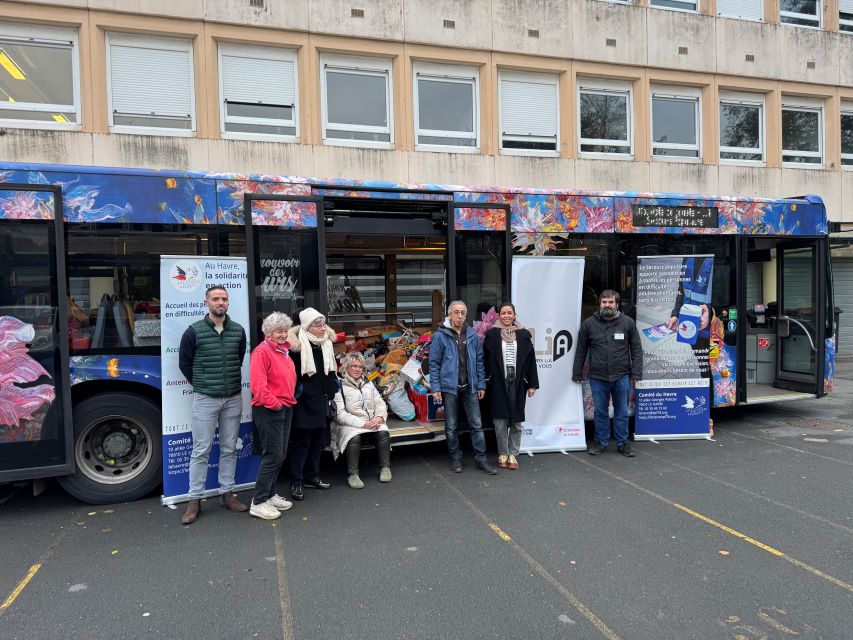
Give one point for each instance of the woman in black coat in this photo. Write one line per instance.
(314, 359)
(511, 378)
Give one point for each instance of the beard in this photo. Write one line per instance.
(219, 312)
(607, 314)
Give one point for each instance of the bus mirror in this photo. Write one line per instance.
(783, 328)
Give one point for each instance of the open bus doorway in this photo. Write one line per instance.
(784, 308)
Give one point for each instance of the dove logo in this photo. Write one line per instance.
(185, 276)
(693, 406)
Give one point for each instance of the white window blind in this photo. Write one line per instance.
(845, 6)
(258, 80)
(151, 81)
(528, 109)
(746, 9)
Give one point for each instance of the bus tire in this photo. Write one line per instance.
(117, 449)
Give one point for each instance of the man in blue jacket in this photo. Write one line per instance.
(456, 376)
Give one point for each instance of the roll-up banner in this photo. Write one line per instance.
(547, 295)
(183, 283)
(674, 313)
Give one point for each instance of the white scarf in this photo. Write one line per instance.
(306, 339)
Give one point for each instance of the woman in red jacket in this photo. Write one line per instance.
(273, 382)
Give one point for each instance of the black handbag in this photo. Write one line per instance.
(331, 408)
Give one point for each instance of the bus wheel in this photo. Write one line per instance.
(117, 449)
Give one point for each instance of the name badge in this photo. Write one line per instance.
(618, 336)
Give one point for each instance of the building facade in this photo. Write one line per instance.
(749, 97)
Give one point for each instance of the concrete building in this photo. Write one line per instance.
(750, 97)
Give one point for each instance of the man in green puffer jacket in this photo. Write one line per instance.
(211, 357)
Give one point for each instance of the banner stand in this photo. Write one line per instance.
(555, 417)
(183, 283)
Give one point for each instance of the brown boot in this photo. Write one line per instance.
(230, 501)
(191, 513)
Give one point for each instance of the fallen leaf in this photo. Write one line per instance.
(93, 513)
(562, 504)
(723, 552)
(107, 511)
(115, 552)
(107, 530)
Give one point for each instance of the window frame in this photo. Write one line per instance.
(454, 73)
(732, 16)
(550, 79)
(605, 87)
(282, 54)
(845, 25)
(846, 110)
(749, 100)
(173, 43)
(358, 65)
(681, 94)
(817, 17)
(36, 33)
(652, 5)
(807, 105)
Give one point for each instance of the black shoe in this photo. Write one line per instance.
(486, 468)
(595, 448)
(625, 450)
(456, 466)
(318, 483)
(296, 491)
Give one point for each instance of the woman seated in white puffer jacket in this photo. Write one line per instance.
(361, 413)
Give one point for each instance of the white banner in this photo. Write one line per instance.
(547, 295)
(183, 283)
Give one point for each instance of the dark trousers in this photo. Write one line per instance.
(305, 447)
(273, 431)
(383, 450)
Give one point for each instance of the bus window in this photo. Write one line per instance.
(114, 278)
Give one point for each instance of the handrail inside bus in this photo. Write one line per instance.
(802, 326)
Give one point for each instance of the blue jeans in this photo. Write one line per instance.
(208, 414)
(602, 392)
(451, 422)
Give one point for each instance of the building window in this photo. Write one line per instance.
(39, 82)
(803, 13)
(529, 111)
(258, 90)
(741, 127)
(802, 132)
(150, 84)
(675, 122)
(847, 134)
(682, 5)
(357, 104)
(604, 114)
(447, 106)
(743, 9)
(845, 15)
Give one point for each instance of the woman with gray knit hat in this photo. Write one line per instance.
(314, 358)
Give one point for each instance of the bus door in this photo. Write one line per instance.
(799, 318)
(35, 426)
(285, 246)
(480, 255)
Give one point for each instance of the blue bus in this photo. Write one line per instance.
(79, 286)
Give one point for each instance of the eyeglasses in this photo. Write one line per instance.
(318, 323)
(459, 312)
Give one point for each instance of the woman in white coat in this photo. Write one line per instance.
(361, 413)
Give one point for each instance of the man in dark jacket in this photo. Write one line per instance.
(211, 357)
(457, 377)
(612, 342)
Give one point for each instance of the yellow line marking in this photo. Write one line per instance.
(283, 589)
(579, 606)
(21, 585)
(500, 532)
(737, 534)
(776, 624)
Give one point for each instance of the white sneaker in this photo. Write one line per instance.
(280, 503)
(265, 510)
(354, 481)
(385, 474)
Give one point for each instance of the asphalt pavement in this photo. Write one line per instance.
(745, 537)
